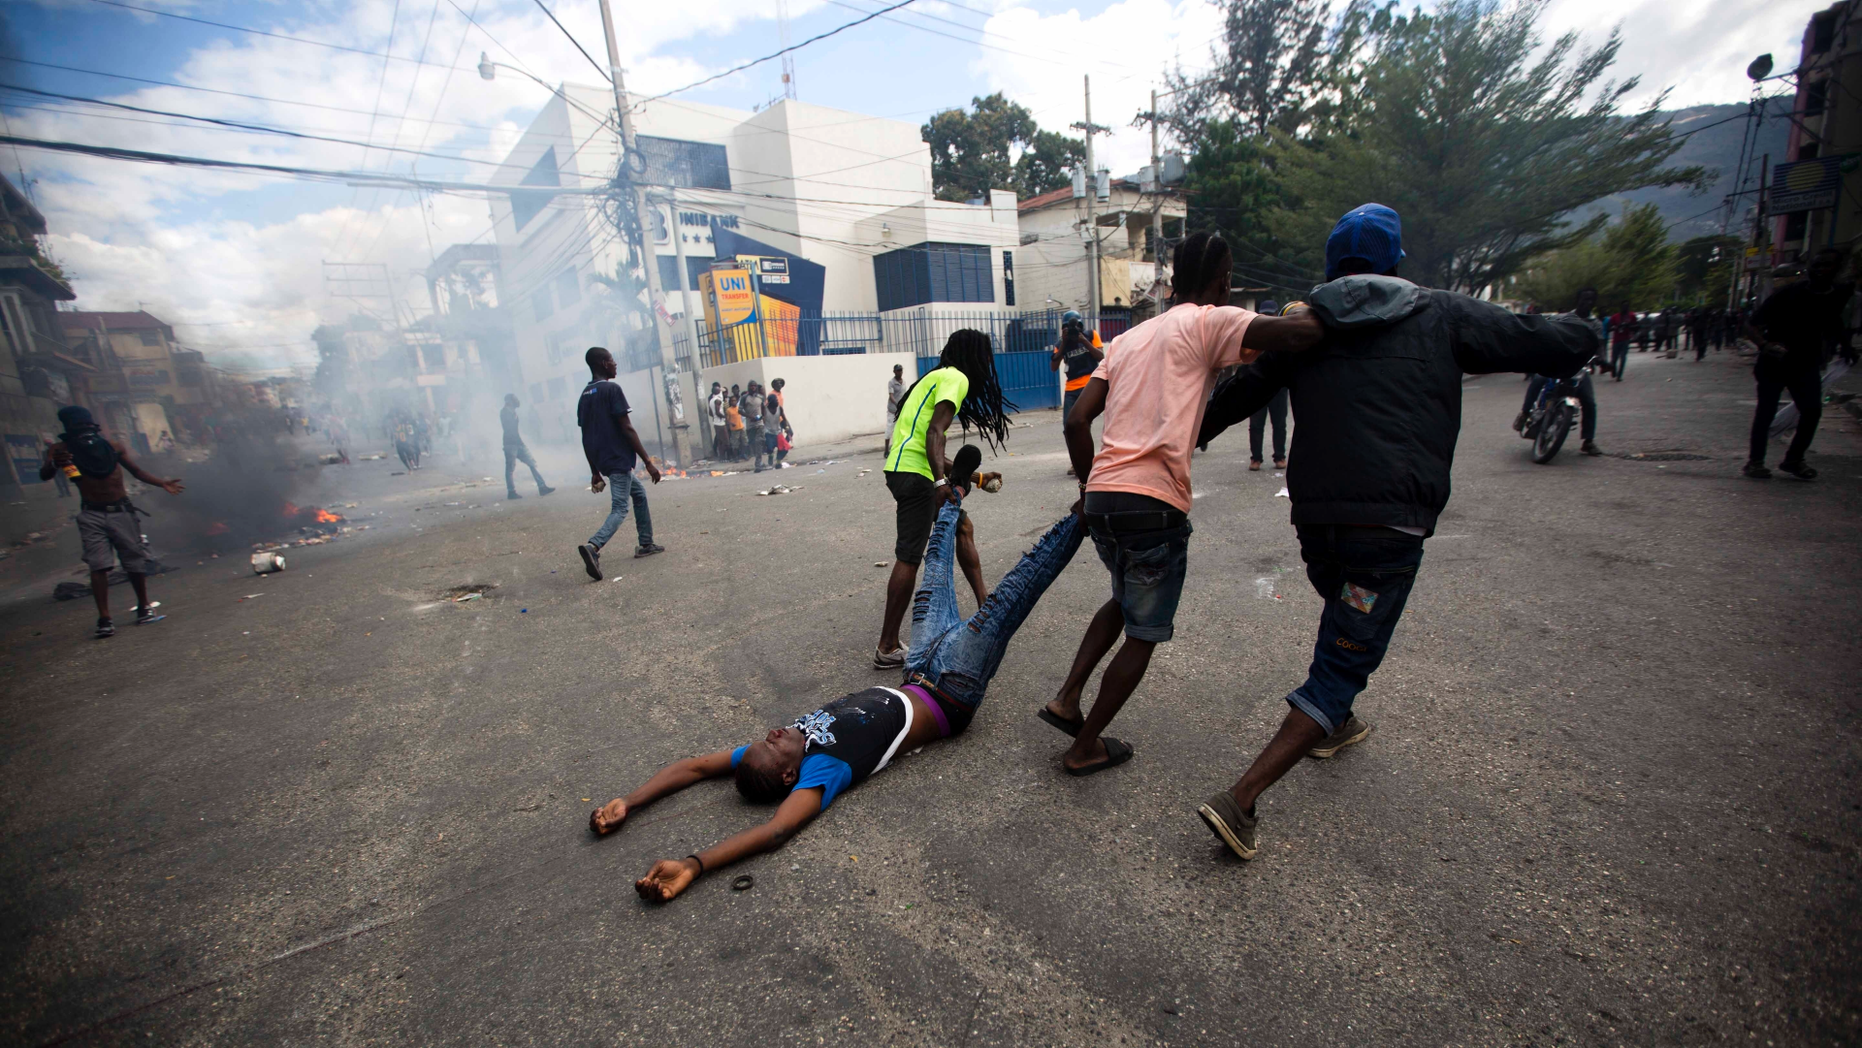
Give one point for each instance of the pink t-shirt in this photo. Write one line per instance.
(1158, 377)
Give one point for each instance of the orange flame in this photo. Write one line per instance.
(290, 509)
(324, 516)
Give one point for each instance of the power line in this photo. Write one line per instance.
(231, 124)
(255, 32)
(777, 54)
(577, 43)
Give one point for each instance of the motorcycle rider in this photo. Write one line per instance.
(1587, 393)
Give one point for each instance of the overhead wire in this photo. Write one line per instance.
(578, 44)
(778, 54)
(248, 29)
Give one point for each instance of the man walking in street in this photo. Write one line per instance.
(515, 451)
(1152, 388)
(613, 450)
(1379, 404)
(1794, 329)
(109, 525)
(1622, 329)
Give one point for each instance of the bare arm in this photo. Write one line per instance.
(640, 450)
(941, 417)
(51, 465)
(1078, 429)
(669, 877)
(668, 780)
(1298, 330)
(130, 465)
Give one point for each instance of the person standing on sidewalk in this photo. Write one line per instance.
(895, 388)
(1379, 404)
(1152, 388)
(720, 426)
(109, 525)
(613, 450)
(751, 407)
(1794, 328)
(515, 451)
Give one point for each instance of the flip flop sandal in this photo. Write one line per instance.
(1072, 728)
(1117, 753)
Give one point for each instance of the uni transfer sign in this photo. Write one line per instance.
(1807, 185)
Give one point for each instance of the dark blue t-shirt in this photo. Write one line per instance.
(599, 412)
(849, 739)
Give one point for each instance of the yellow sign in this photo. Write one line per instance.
(729, 297)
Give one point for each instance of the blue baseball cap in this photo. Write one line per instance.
(1267, 307)
(1371, 232)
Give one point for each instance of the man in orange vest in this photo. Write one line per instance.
(1081, 351)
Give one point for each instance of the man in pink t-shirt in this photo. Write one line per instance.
(1152, 387)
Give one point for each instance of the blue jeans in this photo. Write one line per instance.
(1364, 576)
(1067, 400)
(1148, 568)
(955, 659)
(621, 487)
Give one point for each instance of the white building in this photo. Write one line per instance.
(848, 198)
(1053, 266)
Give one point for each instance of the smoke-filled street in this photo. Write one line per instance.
(1609, 799)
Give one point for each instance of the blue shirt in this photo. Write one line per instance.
(599, 412)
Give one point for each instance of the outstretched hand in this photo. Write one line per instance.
(666, 880)
(607, 818)
(173, 487)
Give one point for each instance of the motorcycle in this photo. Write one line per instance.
(1549, 422)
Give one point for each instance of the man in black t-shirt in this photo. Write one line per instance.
(613, 449)
(1794, 328)
(515, 451)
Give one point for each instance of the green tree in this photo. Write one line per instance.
(996, 144)
(1481, 139)
(1704, 267)
(1629, 263)
(1231, 191)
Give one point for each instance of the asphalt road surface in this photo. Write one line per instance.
(1612, 795)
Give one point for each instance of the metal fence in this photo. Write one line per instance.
(1021, 342)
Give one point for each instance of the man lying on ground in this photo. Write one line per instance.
(821, 754)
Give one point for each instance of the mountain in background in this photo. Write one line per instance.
(1714, 147)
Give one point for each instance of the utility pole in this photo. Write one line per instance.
(649, 259)
(1157, 203)
(1092, 207)
(685, 304)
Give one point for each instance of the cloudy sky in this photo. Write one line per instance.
(236, 261)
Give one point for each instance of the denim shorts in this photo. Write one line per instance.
(1147, 569)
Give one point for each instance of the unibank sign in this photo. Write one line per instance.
(729, 297)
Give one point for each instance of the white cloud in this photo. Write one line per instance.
(1698, 49)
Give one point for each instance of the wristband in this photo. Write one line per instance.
(701, 863)
(942, 482)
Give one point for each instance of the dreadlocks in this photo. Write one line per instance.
(1200, 258)
(984, 406)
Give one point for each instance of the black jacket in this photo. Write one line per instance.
(1377, 404)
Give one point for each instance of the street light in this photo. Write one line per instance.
(1760, 67)
(487, 68)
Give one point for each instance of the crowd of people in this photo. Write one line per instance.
(1372, 365)
(750, 423)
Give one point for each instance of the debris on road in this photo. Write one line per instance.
(471, 591)
(267, 563)
(1282, 494)
(780, 489)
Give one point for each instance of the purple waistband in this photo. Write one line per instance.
(943, 725)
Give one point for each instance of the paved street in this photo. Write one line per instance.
(1612, 797)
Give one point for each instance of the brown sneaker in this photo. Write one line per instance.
(1229, 823)
(1351, 733)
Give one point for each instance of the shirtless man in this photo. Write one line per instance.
(809, 762)
(107, 520)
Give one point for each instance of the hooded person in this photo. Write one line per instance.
(1379, 406)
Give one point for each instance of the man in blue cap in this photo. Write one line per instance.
(108, 525)
(1379, 407)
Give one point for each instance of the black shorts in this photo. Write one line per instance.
(916, 496)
